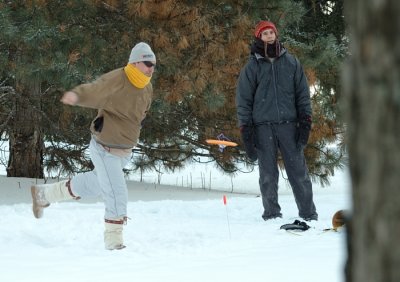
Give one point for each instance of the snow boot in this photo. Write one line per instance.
(113, 239)
(311, 217)
(271, 216)
(44, 194)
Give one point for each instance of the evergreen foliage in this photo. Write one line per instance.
(200, 46)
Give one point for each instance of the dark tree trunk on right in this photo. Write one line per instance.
(372, 91)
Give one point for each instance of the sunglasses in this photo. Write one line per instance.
(149, 64)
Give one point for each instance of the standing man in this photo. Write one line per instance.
(122, 98)
(274, 113)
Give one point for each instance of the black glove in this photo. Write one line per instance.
(303, 131)
(249, 141)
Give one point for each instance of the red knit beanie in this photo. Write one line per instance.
(263, 25)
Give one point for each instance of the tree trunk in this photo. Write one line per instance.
(371, 81)
(26, 139)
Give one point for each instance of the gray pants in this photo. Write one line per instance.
(106, 180)
(270, 138)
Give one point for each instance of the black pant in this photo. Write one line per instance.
(270, 138)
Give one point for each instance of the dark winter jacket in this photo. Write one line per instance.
(272, 91)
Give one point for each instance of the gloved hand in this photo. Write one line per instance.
(249, 142)
(303, 131)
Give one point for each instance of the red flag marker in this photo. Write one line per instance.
(227, 217)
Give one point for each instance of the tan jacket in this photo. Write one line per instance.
(121, 108)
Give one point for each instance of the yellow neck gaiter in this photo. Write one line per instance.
(136, 77)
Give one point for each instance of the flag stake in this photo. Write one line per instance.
(227, 217)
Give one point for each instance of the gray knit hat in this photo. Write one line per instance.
(142, 52)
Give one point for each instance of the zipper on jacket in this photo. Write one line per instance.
(276, 92)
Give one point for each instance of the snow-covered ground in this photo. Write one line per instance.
(175, 234)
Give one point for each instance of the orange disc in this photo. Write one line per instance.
(221, 142)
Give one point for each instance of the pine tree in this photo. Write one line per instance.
(213, 38)
(47, 47)
(318, 39)
(200, 46)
